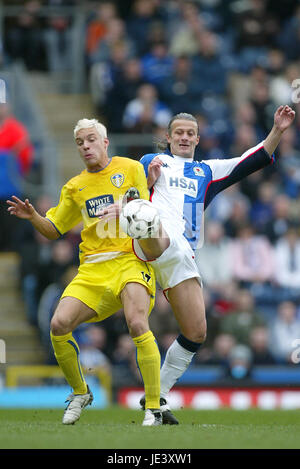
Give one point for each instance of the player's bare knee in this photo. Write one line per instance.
(59, 326)
(137, 325)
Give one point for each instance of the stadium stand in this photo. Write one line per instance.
(230, 63)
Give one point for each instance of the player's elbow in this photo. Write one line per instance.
(52, 236)
(49, 230)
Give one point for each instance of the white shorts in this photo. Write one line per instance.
(176, 264)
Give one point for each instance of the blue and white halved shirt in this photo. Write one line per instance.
(186, 187)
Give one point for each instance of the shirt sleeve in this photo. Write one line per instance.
(141, 182)
(66, 215)
(146, 160)
(226, 172)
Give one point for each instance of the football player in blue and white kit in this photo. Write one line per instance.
(181, 189)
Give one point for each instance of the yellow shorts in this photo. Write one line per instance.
(99, 285)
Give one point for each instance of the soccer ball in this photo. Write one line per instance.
(139, 219)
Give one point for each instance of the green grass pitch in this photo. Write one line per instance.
(119, 428)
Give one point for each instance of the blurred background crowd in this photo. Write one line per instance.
(231, 64)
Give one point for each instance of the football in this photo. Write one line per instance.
(139, 219)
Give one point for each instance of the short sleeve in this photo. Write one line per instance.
(141, 182)
(66, 215)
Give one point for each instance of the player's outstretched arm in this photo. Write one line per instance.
(26, 211)
(283, 118)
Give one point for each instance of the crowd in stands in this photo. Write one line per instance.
(230, 63)
(16, 160)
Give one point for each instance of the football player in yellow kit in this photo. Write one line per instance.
(110, 277)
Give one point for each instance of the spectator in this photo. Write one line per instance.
(186, 29)
(223, 304)
(157, 64)
(223, 208)
(256, 27)
(123, 90)
(92, 341)
(240, 322)
(208, 65)
(252, 257)
(115, 327)
(15, 138)
(246, 124)
(237, 217)
(213, 259)
(245, 137)
(287, 256)
(240, 362)
(260, 346)
(262, 208)
(284, 329)
(281, 218)
(124, 369)
(289, 38)
(16, 159)
(180, 90)
(263, 105)
(245, 114)
(97, 26)
(220, 351)
(62, 256)
(210, 147)
(146, 111)
(140, 22)
(281, 84)
(115, 38)
(256, 30)
(58, 37)
(104, 75)
(24, 36)
(241, 86)
(276, 63)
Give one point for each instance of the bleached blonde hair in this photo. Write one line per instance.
(88, 123)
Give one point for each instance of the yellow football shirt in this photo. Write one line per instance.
(82, 197)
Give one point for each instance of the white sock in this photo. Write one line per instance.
(176, 362)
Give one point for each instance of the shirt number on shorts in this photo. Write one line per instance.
(146, 277)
